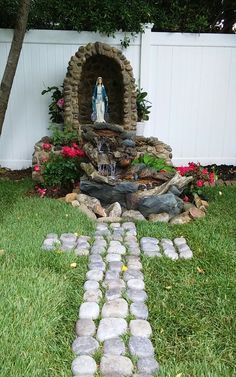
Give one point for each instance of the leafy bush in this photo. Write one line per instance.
(142, 105)
(61, 172)
(158, 164)
(63, 137)
(56, 107)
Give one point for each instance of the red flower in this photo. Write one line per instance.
(36, 168)
(47, 146)
(205, 171)
(212, 178)
(73, 151)
(162, 171)
(41, 192)
(186, 198)
(200, 183)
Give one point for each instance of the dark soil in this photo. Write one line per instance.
(15, 175)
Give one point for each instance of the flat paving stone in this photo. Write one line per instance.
(139, 310)
(135, 284)
(140, 327)
(113, 258)
(152, 240)
(132, 274)
(135, 265)
(85, 327)
(116, 249)
(166, 241)
(89, 310)
(91, 285)
(113, 294)
(180, 241)
(114, 346)
(134, 251)
(115, 266)
(100, 266)
(68, 238)
(114, 284)
(109, 328)
(67, 247)
(94, 275)
(171, 254)
(140, 346)
(148, 365)
(98, 250)
(50, 244)
(83, 244)
(117, 366)
(186, 254)
(80, 251)
(150, 247)
(85, 345)
(95, 258)
(83, 365)
(115, 309)
(136, 295)
(112, 275)
(152, 254)
(92, 295)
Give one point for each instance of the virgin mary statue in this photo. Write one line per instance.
(99, 102)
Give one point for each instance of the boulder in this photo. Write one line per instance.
(108, 194)
(158, 204)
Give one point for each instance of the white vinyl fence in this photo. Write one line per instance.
(190, 79)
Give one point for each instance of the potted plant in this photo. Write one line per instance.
(142, 110)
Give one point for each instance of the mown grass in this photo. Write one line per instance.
(40, 293)
(191, 303)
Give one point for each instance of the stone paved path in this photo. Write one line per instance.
(113, 318)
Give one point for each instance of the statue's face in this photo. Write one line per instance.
(99, 80)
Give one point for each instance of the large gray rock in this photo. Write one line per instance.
(108, 194)
(116, 366)
(160, 203)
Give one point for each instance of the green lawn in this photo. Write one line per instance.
(191, 313)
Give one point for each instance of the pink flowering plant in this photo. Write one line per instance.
(201, 177)
(56, 107)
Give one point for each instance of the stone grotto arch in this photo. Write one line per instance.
(89, 62)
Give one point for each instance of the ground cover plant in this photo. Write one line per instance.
(191, 303)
